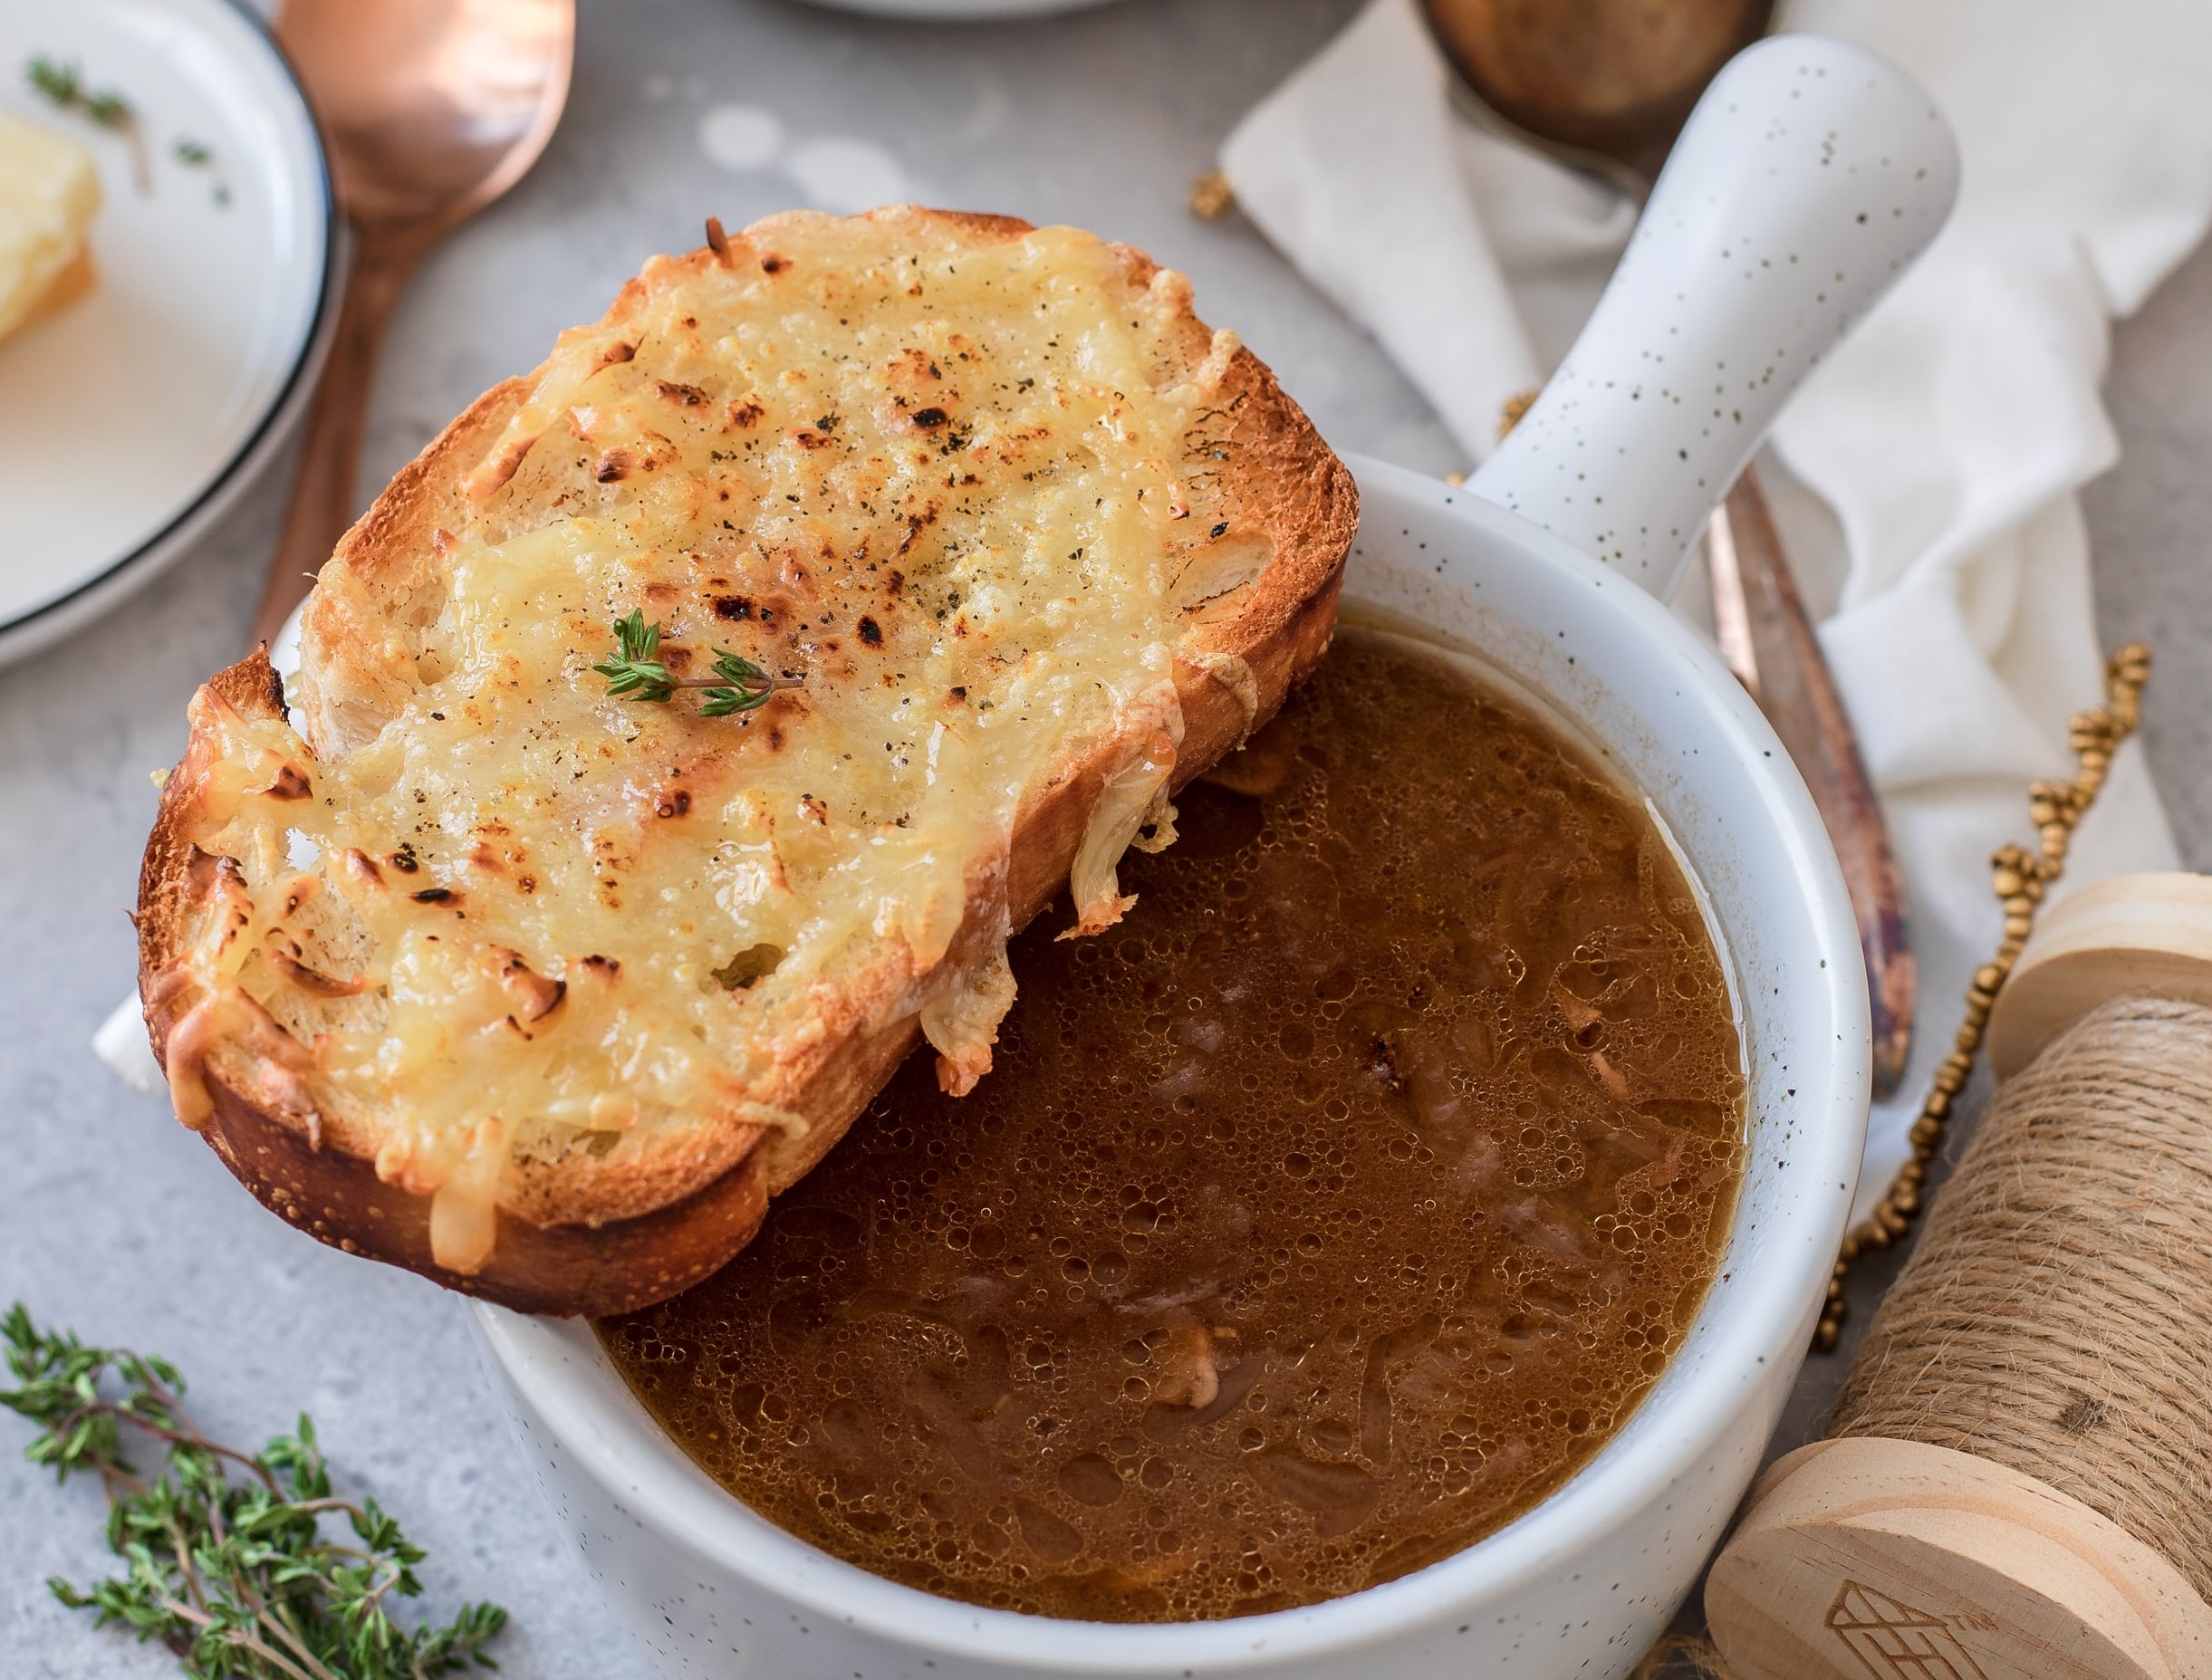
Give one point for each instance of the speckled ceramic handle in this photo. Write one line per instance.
(1809, 175)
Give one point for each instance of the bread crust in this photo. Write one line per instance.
(1235, 664)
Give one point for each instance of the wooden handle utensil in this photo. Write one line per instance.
(1768, 639)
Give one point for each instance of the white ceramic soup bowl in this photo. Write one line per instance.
(1583, 1582)
(1625, 461)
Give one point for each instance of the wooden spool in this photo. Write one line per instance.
(2134, 933)
(1867, 1558)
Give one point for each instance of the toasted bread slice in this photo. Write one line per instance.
(543, 991)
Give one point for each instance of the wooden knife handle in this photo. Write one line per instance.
(1790, 679)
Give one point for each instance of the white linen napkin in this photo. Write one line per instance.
(1946, 437)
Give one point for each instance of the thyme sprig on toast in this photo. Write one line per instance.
(225, 1560)
(635, 672)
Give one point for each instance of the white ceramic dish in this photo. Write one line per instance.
(1582, 1583)
(1812, 173)
(130, 419)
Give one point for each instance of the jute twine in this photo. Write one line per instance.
(2057, 1315)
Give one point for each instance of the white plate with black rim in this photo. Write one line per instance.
(132, 418)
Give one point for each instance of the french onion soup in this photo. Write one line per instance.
(1318, 1219)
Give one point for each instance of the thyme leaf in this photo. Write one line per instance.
(226, 1559)
(633, 669)
(747, 686)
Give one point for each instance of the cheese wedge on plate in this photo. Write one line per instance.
(49, 194)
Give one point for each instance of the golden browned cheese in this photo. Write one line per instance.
(938, 481)
(1318, 1221)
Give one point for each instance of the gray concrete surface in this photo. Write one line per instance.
(114, 1221)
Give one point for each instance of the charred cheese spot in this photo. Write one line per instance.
(291, 783)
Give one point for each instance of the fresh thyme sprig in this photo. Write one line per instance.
(64, 85)
(635, 672)
(226, 1561)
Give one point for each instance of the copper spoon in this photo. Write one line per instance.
(1605, 86)
(430, 109)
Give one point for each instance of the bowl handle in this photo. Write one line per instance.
(1810, 175)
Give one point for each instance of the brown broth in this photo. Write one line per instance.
(1316, 1221)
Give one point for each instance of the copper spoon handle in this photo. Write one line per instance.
(1759, 611)
(322, 504)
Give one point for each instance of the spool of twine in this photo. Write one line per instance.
(2056, 1318)
(2016, 1483)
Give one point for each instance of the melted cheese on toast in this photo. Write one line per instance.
(942, 484)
